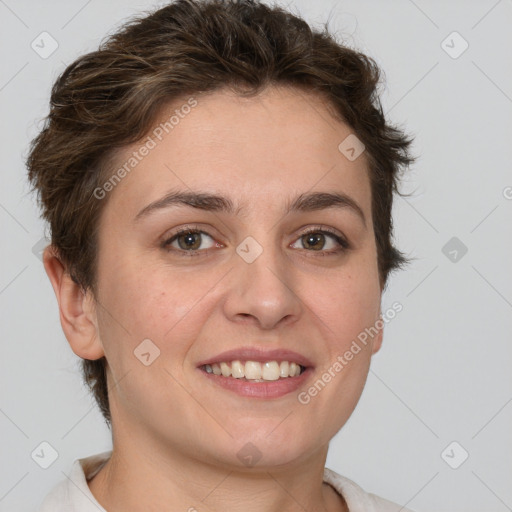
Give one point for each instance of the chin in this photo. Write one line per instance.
(265, 449)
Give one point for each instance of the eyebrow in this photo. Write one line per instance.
(306, 202)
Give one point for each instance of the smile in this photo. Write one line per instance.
(255, 371)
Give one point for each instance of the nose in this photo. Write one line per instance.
(262, 292)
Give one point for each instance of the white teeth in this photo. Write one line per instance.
(225, 369)
(254, 370)
(270, 371)
(294, 369)
(237, 370)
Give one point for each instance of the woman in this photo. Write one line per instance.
(218, 179)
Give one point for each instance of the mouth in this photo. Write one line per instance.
(257, 374)
(255, 371)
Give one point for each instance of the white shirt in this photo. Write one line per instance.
(74, 495)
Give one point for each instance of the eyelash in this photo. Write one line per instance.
(344, 245)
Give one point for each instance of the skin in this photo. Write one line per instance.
(175, 434)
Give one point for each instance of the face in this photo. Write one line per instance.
(258, 274)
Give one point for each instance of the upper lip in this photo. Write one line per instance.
(258, 354)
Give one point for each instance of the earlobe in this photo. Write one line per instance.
(77, 312)
(377, 340)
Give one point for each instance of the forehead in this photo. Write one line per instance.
(257, 149)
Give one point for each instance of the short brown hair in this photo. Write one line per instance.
(109, 98)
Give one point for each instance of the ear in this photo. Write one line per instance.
(377, 339)
(77, 309)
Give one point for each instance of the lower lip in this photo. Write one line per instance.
(269, 389)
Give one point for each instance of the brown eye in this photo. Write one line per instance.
(314, 241)
(188, 241)
(322, 241)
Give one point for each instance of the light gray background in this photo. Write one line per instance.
(443, 374)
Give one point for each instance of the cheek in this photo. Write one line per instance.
(345, 304)
(141, 302)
